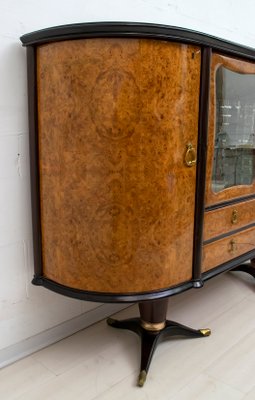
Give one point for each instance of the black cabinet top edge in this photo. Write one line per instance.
(133, 29)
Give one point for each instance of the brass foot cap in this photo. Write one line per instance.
(205, 332)
(142, 378)
(110, 321)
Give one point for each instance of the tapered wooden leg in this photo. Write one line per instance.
(152, 327)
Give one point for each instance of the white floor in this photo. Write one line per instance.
(103, 363)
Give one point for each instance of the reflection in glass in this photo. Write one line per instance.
(234, 152)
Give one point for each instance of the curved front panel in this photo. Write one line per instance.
(117, 133)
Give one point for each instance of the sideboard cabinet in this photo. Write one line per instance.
(142, 141)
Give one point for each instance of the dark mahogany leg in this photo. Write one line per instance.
(248, 268)
(152, 327)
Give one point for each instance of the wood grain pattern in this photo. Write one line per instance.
(235, 65)
(219, 221)
(117, 201)
(223, 250)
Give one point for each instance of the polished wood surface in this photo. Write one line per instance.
(239, 66)
(226, 219)
(115, 117)
(226, 249)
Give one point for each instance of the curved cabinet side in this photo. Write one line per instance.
(115, 117)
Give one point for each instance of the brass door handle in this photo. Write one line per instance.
(190, 156)
(234, 217)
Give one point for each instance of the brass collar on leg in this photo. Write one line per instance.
(153, 326)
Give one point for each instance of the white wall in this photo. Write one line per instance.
(27, 311)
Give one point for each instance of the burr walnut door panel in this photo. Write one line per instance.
(117, 126)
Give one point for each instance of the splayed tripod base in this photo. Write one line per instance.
(152, 327)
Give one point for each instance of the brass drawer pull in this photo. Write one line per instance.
(232, 246)
(234, 217)
(190, 156)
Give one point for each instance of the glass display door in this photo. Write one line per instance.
(231, 150)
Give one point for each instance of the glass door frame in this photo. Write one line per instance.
(227, 194)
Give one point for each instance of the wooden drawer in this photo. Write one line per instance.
(226, 249)
(226, 219)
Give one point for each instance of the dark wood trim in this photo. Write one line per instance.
(229, 202)
(230, 233)
(201, 164)
(135, 29)
(34, 157)
(153, 311)
(109, 297)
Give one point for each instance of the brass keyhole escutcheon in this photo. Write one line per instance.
(234, 217)
(190, 156)
(232, 246)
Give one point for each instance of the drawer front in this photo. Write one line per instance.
(227, 219)
(223, 250)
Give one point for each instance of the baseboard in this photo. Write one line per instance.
(43, 339)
